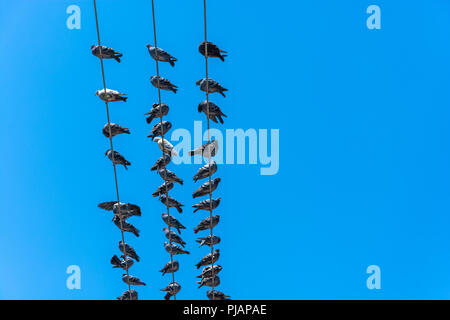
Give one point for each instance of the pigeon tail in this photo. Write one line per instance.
(223, 94)
(136, 232)
(124, 99)
(179, 209)
(167, 296)
(174, 90)
(115, 261)
(172, 63)
(117, 58)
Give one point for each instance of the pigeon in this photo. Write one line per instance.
(156, 130)
(111, 95)
(124, 264)
(129, 295)
(211, 85)
(171, 202)
(162, 189)
(208, 260)
(210, 271)
(115, 130)
(209, 282)
(124, 210)
(206, 171)
(163, 84)
(106, 53)
(165, 146)
(207, 187)
(171, 290)
(216, 295)
(128, 251)
(170, 267)
(163, 161)
(172, 236)
(205, 204)
(131, 280)
(212, 50)
(118, 158)
(169, 176)
(160, 55)
(174, 249)
(172, 222)
(214, 111)
(207, 150)
(207, 223)
(125, 226)
(207, 240)
(158, 110)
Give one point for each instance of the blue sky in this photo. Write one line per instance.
(364, 147)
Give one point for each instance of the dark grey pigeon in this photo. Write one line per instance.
(206, 241)
(131, 280)
(174, 249)
(171, 202)
(125, 226)
(171, 290)
(163, 84)
(124, 210)
(129, 295)
(128, 251)
(207, 223)
(216, 295)
(160, 55)
(170, 267)
(157, 111)
(209, 259)
(169, 176)
(205, 171)
(205, 204)
(111, 95)
(162, 162)
(115, 130)
(209, 282)
(162, 189)
(212, 50)
(108, 205)
(209, 271)
(214, 111)
(156, 130)
(172, 222)
(211, 85)
(207, 187)
(172, 236)
(118, 158)
(124, 264)
(207, 150)
(106, 52)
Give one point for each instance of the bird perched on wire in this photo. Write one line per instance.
(125, 226)
(209, 271)
(212, 49)
(213, 110)
(207, 187)
(162, 161)
(212, 85)
(207, 223)
(131, 280)
(174, 249)
(157, 131)
(209, 282)
(207, 204)
(163, 84)
(129, 295)
(128, 250)
(207, 240)
(206, 170)
(170, 267)
(209, 259)
(115, 130)
(216, 295)
(118, 158)
(169, 176)
(125, 264)
(165, 146)
(173, 237)
(160, 55)
(158, 110)
(171, 202)
(122, 210)
(162, 189)
(207, 150)
(172, 222)
(107, 53)
(111, 95)
(171, 290)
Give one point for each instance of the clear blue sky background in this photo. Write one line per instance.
(364, 147)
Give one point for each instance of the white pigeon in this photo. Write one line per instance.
(166, 146)
(111, 95)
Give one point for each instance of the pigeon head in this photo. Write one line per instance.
(200, 107)
(198, 82)
(158, 139)
(106, 152)
(93, 46)
(148, 46)
(217, 179)
(165, 229)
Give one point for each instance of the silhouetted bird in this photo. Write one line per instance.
(209, 259)
(162, 189)
(129, 295)
(212, 49)
(124, 264)
(118, 158)
(206, 171)
(157, 111)
(207, 240)
(131, 280)
(124, 210)
(211, 85)
(107, 53)
(161, 162)
(172, 236)
(171, 290)
(216, 295)
(207, 223)
(209, 271)
(157, 131)
(163, 84)
(160, 55)
(174, 249)
(115, 130)
(207, 204)
(207, 187)
(125, 226)
(214, 111)
(169, 176)
(171, 221)
(170, 267)
(127, 250)
(209, 282)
